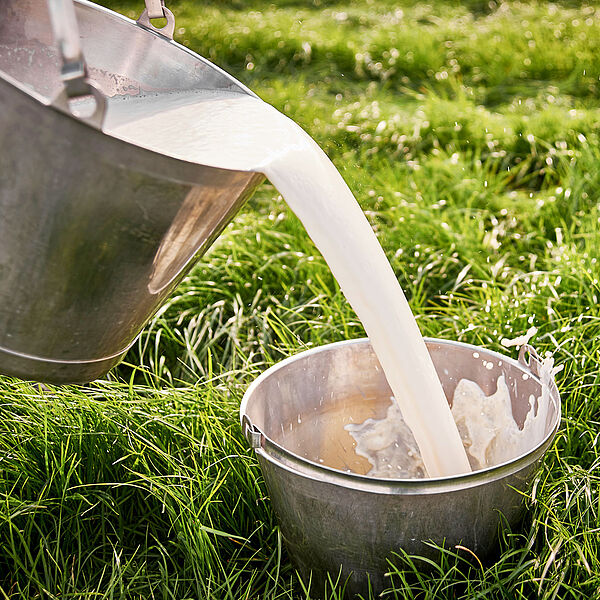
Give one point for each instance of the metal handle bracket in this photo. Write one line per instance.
(252, 433)
(156, 9)
(74, 73)
(529, 358)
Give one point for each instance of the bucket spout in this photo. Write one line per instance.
(95, 232)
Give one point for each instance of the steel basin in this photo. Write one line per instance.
(332, 519)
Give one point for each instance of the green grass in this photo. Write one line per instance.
(469, 133)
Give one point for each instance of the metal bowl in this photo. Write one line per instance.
(331, 519)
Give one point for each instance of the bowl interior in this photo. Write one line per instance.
(304, 403)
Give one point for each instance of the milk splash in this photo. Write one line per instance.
(519, 340)
(490, 434)
(236, 131)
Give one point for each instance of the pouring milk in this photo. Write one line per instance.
(235, 131)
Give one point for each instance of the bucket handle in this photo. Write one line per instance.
(74, 75)
(156, 9)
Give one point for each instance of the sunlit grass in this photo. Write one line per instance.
(469, 133)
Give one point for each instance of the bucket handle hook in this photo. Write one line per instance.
(252, 433)
(74, 74)
(529, 358)
(156, 9)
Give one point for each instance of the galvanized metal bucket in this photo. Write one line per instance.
(334, 520)
(95, 232)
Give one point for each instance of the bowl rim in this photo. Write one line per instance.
(283, 458)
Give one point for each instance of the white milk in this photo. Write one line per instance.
(490, 434)
(235, 131)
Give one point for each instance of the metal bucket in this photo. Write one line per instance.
(334, 520)
(95, 233)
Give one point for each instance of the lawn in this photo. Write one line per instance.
(469, 132)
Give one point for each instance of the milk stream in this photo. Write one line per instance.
(236, 131)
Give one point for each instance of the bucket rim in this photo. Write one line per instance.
(114, 14)
(283, 458)
(49, 103)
